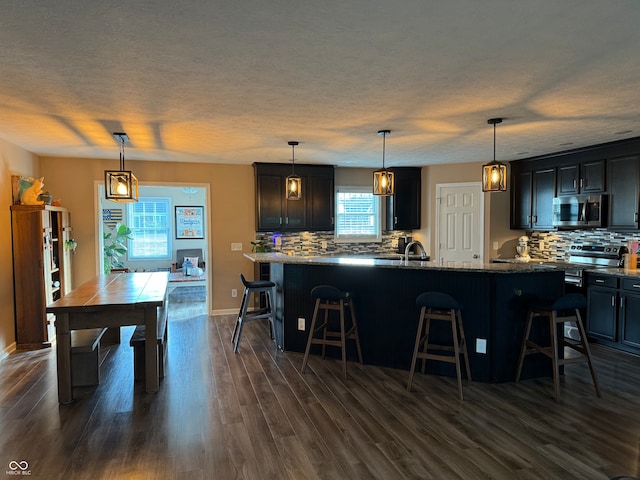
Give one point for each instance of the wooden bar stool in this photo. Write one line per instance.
(565, 309)
(255, 287)
(443, 307)
(330, 298)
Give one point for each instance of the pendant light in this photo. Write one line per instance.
(121, 185)
(383, 179)
(294, 182)
(494, 174)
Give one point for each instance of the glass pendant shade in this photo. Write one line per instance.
(294, 182)
(494, 177)
(383, 182)
(494, 174)
(121, 185)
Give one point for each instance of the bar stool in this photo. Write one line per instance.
(330, 298)
(255, 287)
(443, 307)
(565, 309)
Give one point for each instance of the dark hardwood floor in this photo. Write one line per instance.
(252, 415)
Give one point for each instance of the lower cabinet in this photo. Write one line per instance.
(613, 316)
(630, 318)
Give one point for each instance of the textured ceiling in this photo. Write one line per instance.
(233, 81)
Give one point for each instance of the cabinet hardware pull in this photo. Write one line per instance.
(599, 280)
(635, 285)
(583, 183)
(613, 301)
(574, 184)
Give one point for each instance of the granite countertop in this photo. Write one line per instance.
(376, 261)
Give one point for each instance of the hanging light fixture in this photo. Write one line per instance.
(383, 179)
(494, 174)
(294, 182)
(121, 185)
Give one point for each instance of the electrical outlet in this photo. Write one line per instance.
(234, 292)
(236, 247)
(496, 245)
(301, 322)
(481, 345)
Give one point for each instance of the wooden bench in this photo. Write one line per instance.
(86, 357)
(138, 343)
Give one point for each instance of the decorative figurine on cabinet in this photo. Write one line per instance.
(29, 196)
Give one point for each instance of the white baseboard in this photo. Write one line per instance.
(226, 311)
(8, 351)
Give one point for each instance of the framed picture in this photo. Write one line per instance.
(189, 222)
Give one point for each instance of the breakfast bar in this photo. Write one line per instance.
(494, 297)
(111, 301)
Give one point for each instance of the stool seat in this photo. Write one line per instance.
(256, 284)
(246, 315)
(438, 300)
(329, 293)
(330, 298)
(564, 309)
(442, 307)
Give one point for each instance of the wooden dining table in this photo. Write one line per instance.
(112, 301)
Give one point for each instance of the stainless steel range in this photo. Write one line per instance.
(587, 255)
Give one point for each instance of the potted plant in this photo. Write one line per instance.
(115, 246)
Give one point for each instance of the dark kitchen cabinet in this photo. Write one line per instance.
(613, 317)
(602, 310)
(587, 177)
(403, 207)
(521, 200)
(313, 212)
(532, 199)
(630, 309)
(623, 175)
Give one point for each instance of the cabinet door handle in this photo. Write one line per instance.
(574, 183)
(395, 220)
(599, 280)
(635, 217)
(583, 183)
(613, 301)
(280, 220)
(535, 219)
(622, 303)
(635, 285)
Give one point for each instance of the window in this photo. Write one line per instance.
(150, 223)
(357, 215)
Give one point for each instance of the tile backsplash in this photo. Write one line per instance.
(323, 243)
(555, 245)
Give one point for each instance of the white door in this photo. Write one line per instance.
(460, 222)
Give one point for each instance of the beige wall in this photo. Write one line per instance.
(13, 161)
(496, 209)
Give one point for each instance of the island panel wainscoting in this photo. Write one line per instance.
(494, 297)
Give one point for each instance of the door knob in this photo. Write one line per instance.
(475, 255)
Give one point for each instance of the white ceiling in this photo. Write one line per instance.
(233, 81)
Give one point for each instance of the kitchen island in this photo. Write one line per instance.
(494, 298)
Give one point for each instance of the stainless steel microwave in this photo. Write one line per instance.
(580, 211)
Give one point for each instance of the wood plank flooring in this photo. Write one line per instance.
(253, 415)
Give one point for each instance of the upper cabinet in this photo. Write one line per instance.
(587, 177)
(623, 177)
(313, 212)
(532, 193)
(611, 168)
(403, 207)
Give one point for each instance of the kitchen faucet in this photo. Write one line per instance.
(423, 254)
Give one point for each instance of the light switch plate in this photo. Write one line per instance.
(481, 345)
(236, 247)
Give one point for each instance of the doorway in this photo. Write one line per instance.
(167, 199)
(459, 222)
